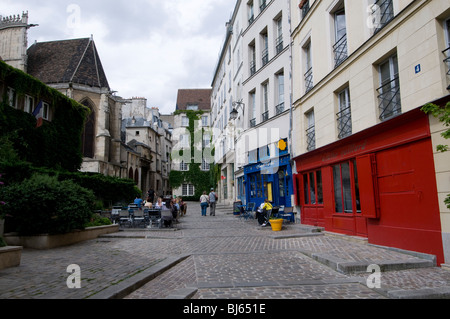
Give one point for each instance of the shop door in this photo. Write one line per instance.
(282, 188)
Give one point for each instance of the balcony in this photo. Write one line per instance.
(263, 6)
(309, 80)
(344, 119)
(304, 6)
(279, 108)
(340, 51)
(446, 52)
(389, 99)
(279, 44)
(252, 67)
(265, 56)
(383, 12)
(252, 123)
(265, 116)
(311, 138)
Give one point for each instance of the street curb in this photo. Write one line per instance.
(132, 284)
(428, 293)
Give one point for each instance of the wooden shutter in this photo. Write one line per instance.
(368, 186)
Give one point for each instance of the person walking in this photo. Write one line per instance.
(212, 202)
(204, 203)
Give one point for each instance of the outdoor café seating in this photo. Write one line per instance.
(154, 218)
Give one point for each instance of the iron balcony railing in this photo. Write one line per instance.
(252, 67)
(265, 56)
(383, 12)
(279, 108)
(340, 51)
(279, 44)
(344, 119)
(309, 80)
(311, 138)
(263, 5)
(265, 116)
(389, 99)
(305, 9)
(446, 52)
(253, 123)
(251, 19)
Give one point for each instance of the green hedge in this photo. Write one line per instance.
(44, 205)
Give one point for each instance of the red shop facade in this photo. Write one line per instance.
(379, 184)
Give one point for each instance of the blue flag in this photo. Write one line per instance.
(37, 110)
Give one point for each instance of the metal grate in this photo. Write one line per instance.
(389, 98)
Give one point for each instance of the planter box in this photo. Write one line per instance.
(43, 242)
(10, 257)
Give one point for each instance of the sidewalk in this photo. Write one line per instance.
(224, 257)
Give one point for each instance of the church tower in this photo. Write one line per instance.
(14, 40)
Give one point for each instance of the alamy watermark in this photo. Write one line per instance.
(374, 280)
(74, 280)
(74, 16)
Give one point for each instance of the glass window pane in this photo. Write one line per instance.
(358, 202)
(305, 188)
(347, 189)
(312, 188)
(337, 188)
(319, 187)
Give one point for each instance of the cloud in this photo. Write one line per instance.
(148, 48)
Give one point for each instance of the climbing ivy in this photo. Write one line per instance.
(56, 144)
(202, 180)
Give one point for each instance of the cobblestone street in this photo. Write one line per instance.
(223, 257)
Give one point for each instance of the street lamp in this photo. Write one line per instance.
(235, 113)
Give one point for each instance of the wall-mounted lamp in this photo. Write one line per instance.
(235, 113)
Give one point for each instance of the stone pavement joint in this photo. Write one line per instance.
(129, 285)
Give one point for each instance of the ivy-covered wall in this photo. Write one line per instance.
(202, 180)
(56, 144)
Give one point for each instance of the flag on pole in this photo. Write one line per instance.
(38, 114)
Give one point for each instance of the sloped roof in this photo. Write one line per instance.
(67, 61)
(200, 97)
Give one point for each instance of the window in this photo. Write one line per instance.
(265, 51)
(279, 40)
(280, 89)
(313, 189)
(184, 121)
(382, 13)
(12, 97)
(304, 7)
(308, 67)
(311, 131)
(389, 91)
(184, 167)
(447, 50)
(45, 111)
(344, 117)
(205, 121)
(346, 188)
(206, 140)
(252, 51)
(184, 141)
(205, 165)
(265, 100)
(340, 46)
(253, 109)
(251, 13)
(262, 5)
(29, 104)
(188, 190)
(192, 107)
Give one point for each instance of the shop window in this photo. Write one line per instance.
(312, 187)
(346, 188)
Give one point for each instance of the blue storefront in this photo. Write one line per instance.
(268, 178)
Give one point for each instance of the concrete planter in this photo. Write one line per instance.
(10, 257)
(2, 227)
(43, 242)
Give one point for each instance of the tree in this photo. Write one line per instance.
(443, 115)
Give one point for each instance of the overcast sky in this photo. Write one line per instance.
(148, 48)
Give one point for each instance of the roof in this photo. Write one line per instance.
(189, 97)
(67, 61)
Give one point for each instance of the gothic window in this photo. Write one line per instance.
(88, 137)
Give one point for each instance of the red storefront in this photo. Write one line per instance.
(379, 184)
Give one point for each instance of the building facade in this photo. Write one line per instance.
(251, 107)
(191, 152)
(365, 153)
